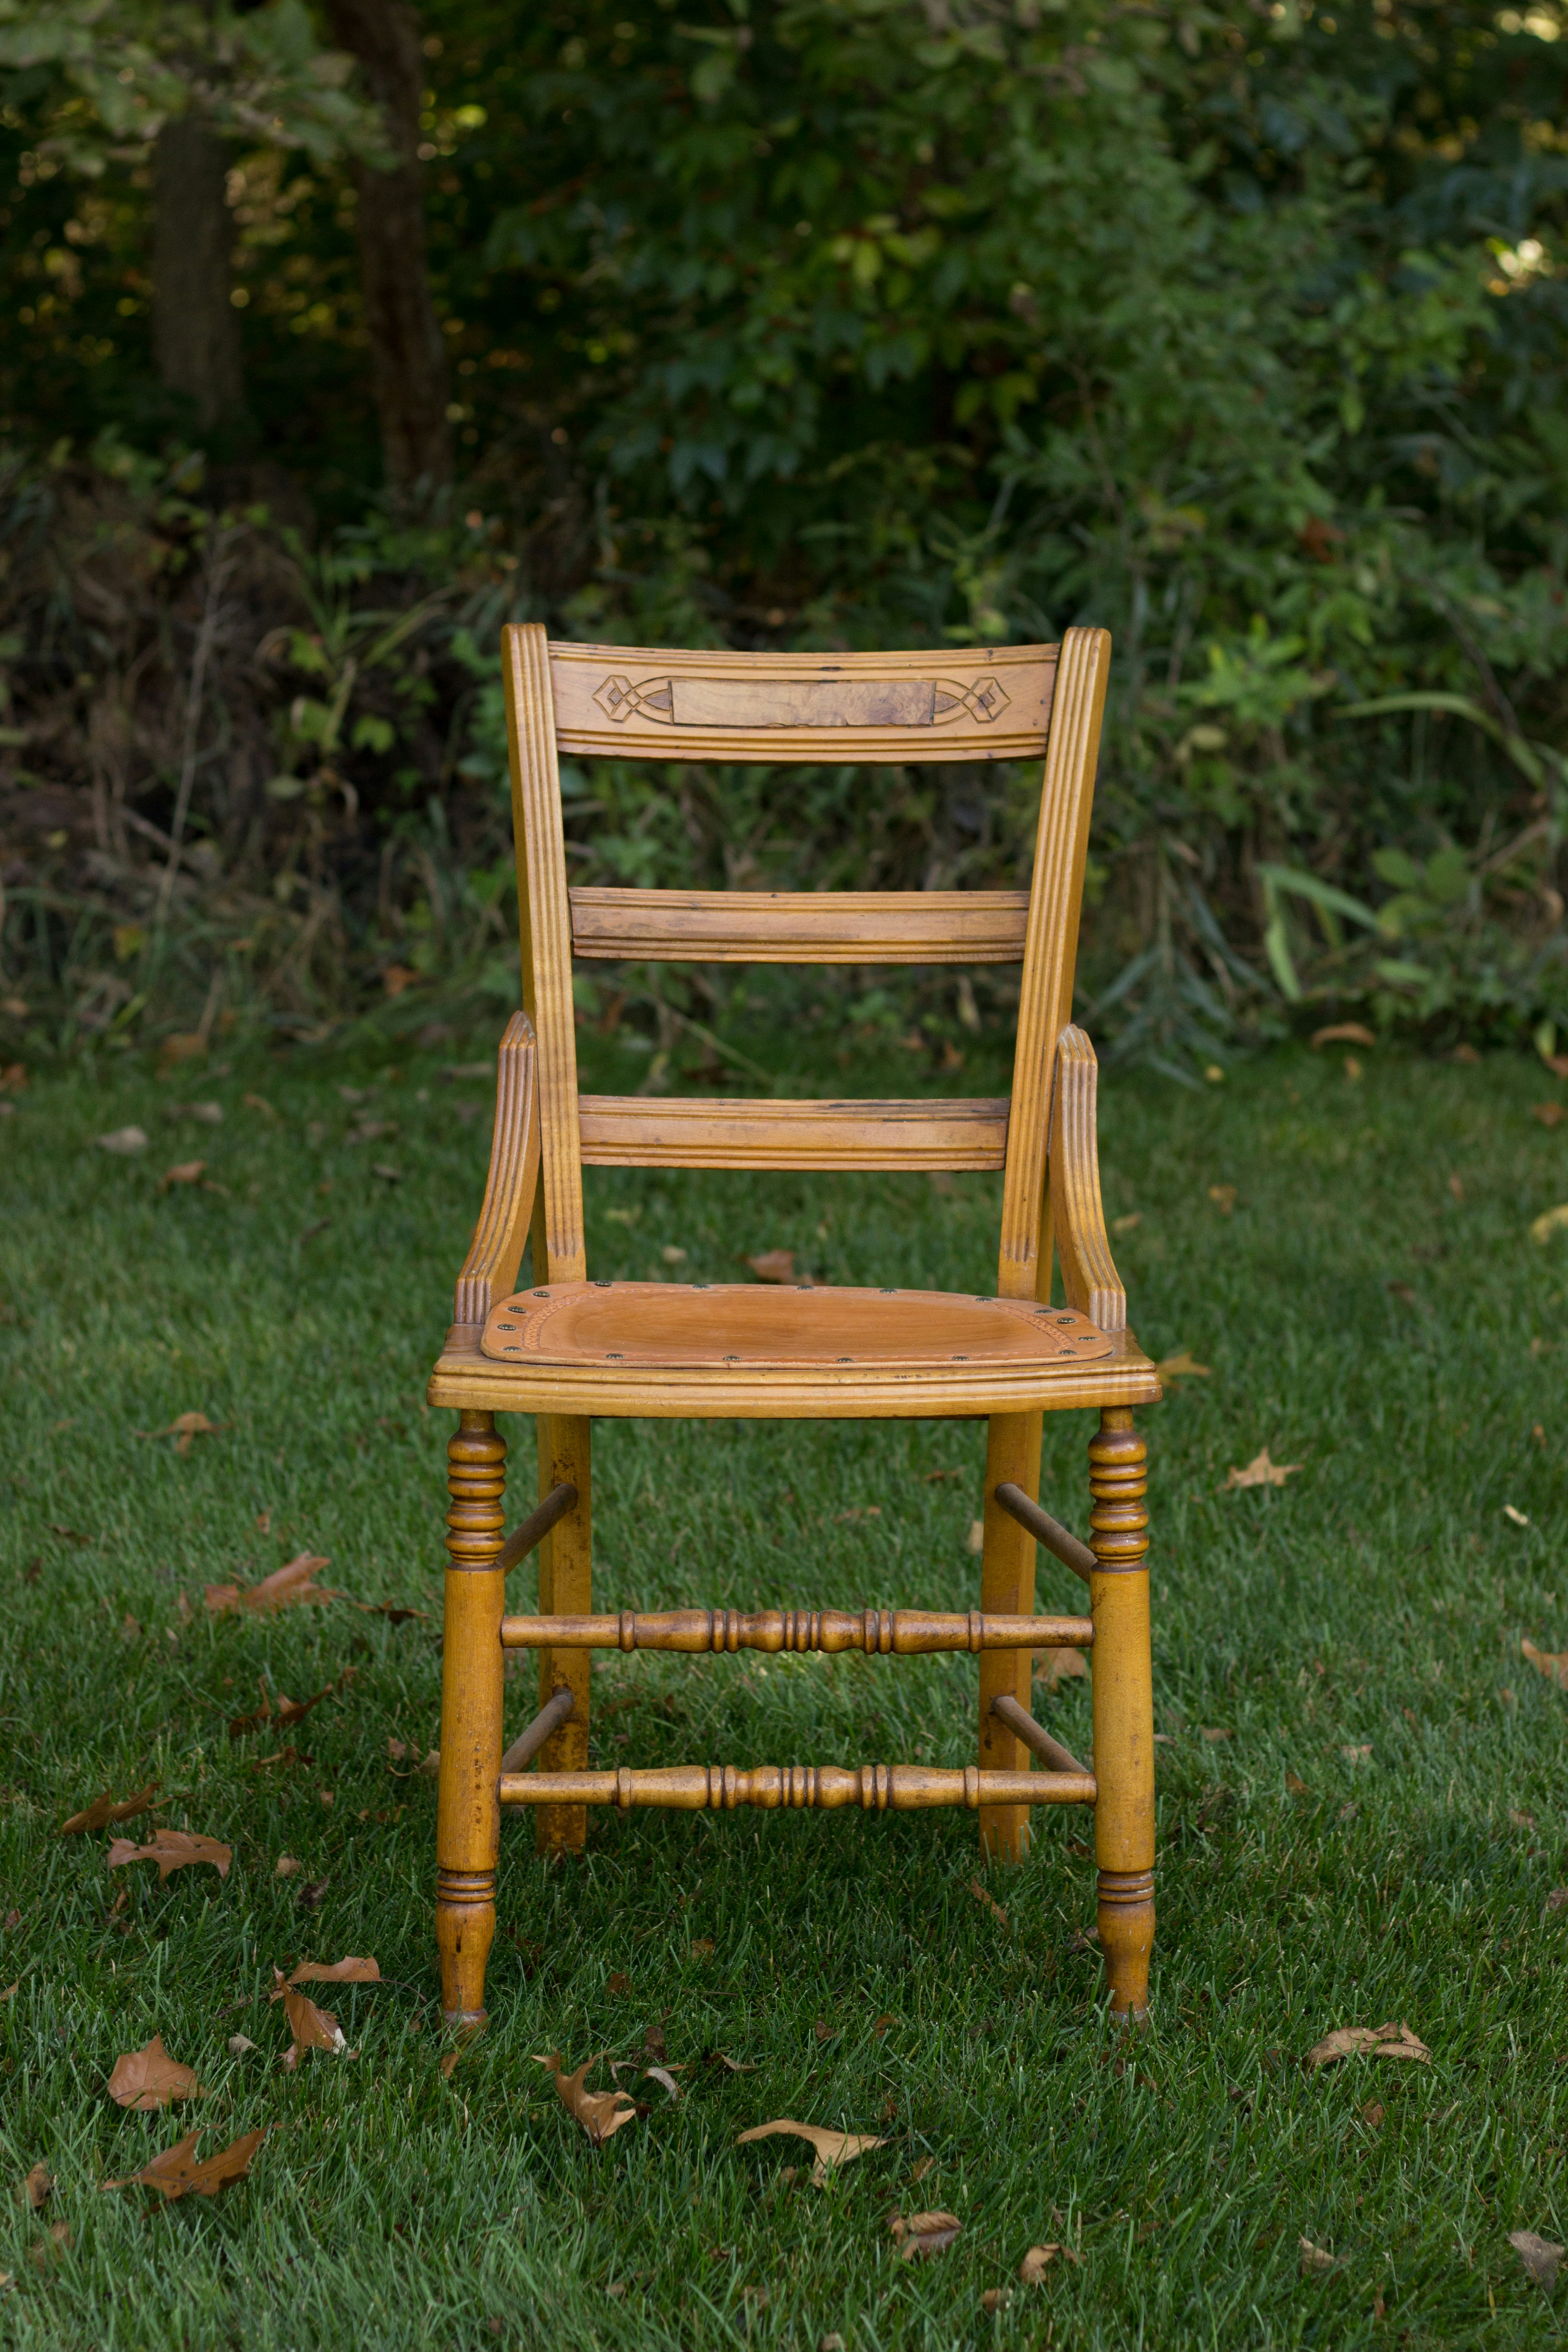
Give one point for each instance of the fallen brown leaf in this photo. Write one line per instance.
(1343, 1033)
(663, 2076)
(149, 2077)
(1129, 1223)
(123, 1141)
(184, 1427)
(619, 1984)
(981, 1896)
(1038, 2259)
(12, 1989)
(1054, 1667)
(1556, 1901)
(832, 2148)
(722, 2058)
(1553, 1663)
(1550, 1114)
(1182, 1367)
(1314, 2259)
(1261, 1472)
(1392, 2041)
(176, 2172)
(918, 2171)
(186, 1172)
(238, 2044)
(925, 2233)
(104, 1810)
(1297, 1786)
(1373, 2113)
(293, 1583)
(773, 1265)
(996, 2298)
(313, 2027)
(1223, 1198)
(600, 2113)
(313, 1894)
(286, 1867)
(346, 1971)
(172, 1850)
(33, 2192)
(1538, 2256)
(824, 2031)
(702, 1949)
(1212, 1731)
(287, 1710)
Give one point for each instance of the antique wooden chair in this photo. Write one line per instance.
(568, 1348)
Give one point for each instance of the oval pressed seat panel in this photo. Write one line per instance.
(671, 1326)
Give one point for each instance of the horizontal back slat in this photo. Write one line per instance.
(945, 704)
(801, 926)
(680, 1131)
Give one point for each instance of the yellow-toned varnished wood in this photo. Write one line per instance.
(876, 1788)
(464, 1377)
(876, 1632)
(468, 1821)
(565, 1589)
(797, 927)
(1006, 1585)
(690, 1131)
(1123, 1711)
(489, 1270)
(545, 926)
(1044, 1003)
(1088, 1277)
(637, 703)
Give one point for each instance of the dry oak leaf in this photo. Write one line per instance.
(1038, 2259)
(351, 1970)
(1553, 1663)
(294, 1582)
(1538, 2256)
(832, 2148)
(184, 1427)
(600, 2113)
(773, 1265)
(176, 2173)
(104, 1810)
(925, 2233)
(1054, 1667)
(1182, 1366)
(1343, 1033)
(1315, 2258)
(1261, 1472)
(1391, 2040)
(149, 2078)
(33, 2192)
(313, 2029)
(172, 1850)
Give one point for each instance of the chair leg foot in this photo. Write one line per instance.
(1127, 1937)
(464, 1929)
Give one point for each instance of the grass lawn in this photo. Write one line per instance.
(1362, 1795)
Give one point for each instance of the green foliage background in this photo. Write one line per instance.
(1236, 328)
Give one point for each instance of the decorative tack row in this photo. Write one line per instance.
(880, 1632)
(874, 1787)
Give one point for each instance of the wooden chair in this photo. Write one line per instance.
(567, 1348)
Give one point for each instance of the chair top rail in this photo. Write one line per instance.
(944, 704)
(801, 926)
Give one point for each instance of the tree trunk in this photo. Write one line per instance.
(195, 335)
(407, 352)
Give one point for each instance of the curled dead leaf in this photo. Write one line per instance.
(600, 2113)
(148, 2078)
(1037, 2261)
(178, 2173)
(919, 2235)
(1343, 1033)
(1553, 1663)
(981, 1896)
(1392, 2041)
(773, 1265)
(172, 1850)
(351, 1970)
(292, 1584)
(1261, 1472)
(1538, 2256)
(733, 2066)
(1314, 2259)
(35, 2190)
(832, 2148)
(184, 1427)
(662, 2075)
(313, 2029)
(104, 1810)
(996, 2298)
(238, 2044)
(186, 1171)
(286, 1867)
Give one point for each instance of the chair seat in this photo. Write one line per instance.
(745, 1347)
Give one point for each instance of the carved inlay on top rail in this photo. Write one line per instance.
(742, 702)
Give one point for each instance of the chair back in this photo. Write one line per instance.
(1012, 702)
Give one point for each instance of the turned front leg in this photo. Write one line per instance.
(467, 1819)
(1123, 1709)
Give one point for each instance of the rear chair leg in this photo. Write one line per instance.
(565, 1589)
(467, 1819)
(1123, 1709)
(1006, 1587)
